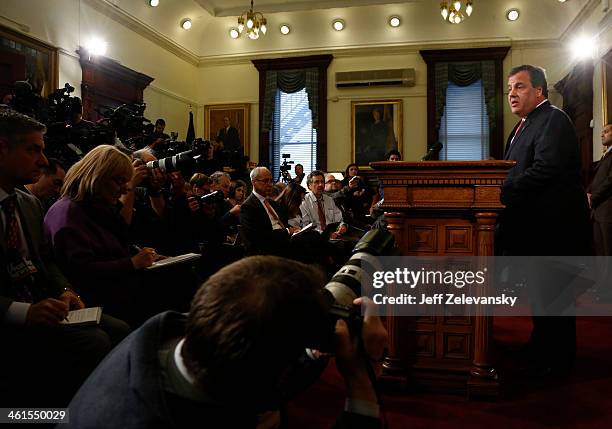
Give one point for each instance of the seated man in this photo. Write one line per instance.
(43, 363)
(319, 208)
(227, 362)
(262, 229)
(47, 188)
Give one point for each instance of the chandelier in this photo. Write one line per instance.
(252, 23)
(452, 11)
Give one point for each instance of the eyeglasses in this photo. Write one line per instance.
(264, 180)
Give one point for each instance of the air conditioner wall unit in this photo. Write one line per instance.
(365, 78)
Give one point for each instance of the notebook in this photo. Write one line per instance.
(173, 260)
(85, 316)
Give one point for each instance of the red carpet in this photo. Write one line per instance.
(583, 400)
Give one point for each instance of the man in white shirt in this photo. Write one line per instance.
(319, 208)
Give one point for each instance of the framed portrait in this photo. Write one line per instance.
(606, 80)
(216, 124)
(376, 128)
(25, 58)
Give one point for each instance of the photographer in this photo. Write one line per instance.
(158, 138)
(355, 197)
(224, 364)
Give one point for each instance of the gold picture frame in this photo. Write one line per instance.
(376, 128)
(39, 61)
(239, 116)
(606, 87)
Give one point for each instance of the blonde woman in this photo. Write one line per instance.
(89, 236)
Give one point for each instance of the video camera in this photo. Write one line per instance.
(285, 167)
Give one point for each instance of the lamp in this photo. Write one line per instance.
(252, 23)
(452, 11)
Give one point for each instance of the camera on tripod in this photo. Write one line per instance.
(285, 167)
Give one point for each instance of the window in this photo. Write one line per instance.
(464, 128)
(293, 133)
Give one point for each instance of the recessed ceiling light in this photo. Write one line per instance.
(153, 3)
(562, 1)
(234, 33)
(285, 29)
(394, 21)
(338, 24)
(512, 15)
(186, 24)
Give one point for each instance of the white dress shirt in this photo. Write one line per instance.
(310, 211)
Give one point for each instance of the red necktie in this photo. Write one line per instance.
(321, 215)
(12, 235)
(518, 130)
(273, 212)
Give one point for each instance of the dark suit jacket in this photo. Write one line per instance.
(126, 390)
(601, 190)
(256, 231)
(230, 139)
(546, 208)
(49, 277)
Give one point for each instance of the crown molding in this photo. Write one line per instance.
(131, 22)
(580, 19)
(173, 95)
(354, 51)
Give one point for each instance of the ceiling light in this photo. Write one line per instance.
(252, 23)
(285, 29)
(452, 11)
(394, 21)
(512, 15)
(562, 1)
(96, 46)
(338, 24)
(234, 34)
(584, 48)
(153, 3)
(186, 24)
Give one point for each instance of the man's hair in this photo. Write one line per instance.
(299, 165)
(249, 321)
(14, 125)
(537, 76)
(160, 121)
(199, 180)
(393, 152)
(85, 178)
(215, 178)
(255, 172)
(52, 166)
(312, 175)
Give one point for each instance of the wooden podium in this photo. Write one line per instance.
(442, 208)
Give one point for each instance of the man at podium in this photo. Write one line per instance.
(546, 210)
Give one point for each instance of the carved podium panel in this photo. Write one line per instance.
(442, 208)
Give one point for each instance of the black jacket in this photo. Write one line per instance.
(256, 231)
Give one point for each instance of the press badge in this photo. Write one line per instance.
(21, 269)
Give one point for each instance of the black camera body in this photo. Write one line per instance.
(212, 198)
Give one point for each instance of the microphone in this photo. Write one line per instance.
(433, 151)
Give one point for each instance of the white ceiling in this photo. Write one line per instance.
(366, 23)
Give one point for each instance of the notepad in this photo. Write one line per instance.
(306, 228)
(85, 316)
(172, 260)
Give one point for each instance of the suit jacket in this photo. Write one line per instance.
(601, 190)
(256, 231)
(49, 277)
(230, 138)
(546, 207)
(126, 390)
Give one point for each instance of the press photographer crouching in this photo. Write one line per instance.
(225, 364)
